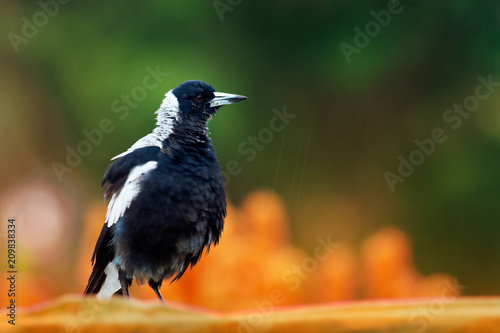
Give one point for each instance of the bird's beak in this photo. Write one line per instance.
(225, 99)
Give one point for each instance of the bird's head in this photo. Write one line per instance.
(196, 101)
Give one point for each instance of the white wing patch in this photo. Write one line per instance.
(166, 116)
(121, 200)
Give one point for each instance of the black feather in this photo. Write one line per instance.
(179, 211)
(104, 253)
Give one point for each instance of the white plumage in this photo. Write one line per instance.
(111, 285)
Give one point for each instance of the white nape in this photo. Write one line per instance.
(166, 116)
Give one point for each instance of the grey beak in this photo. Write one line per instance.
(225, 99)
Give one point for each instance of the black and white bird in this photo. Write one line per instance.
(167, 197)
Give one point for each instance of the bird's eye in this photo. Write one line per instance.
(199, 98)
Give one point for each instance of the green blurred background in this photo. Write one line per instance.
(355, 115)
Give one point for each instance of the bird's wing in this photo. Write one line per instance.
(118, 172)
(121, 183)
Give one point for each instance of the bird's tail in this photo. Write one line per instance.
(104, 270)
(96, 281)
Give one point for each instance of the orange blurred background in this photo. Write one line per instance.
(255, 266)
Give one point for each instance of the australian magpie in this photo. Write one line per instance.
(167, 197)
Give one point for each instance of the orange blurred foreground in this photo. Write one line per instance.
(74, 313)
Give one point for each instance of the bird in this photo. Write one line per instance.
(166, 194)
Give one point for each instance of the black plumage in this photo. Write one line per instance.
(167, 197)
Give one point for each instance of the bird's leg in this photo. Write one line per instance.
(124, 282)
(156, 287)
